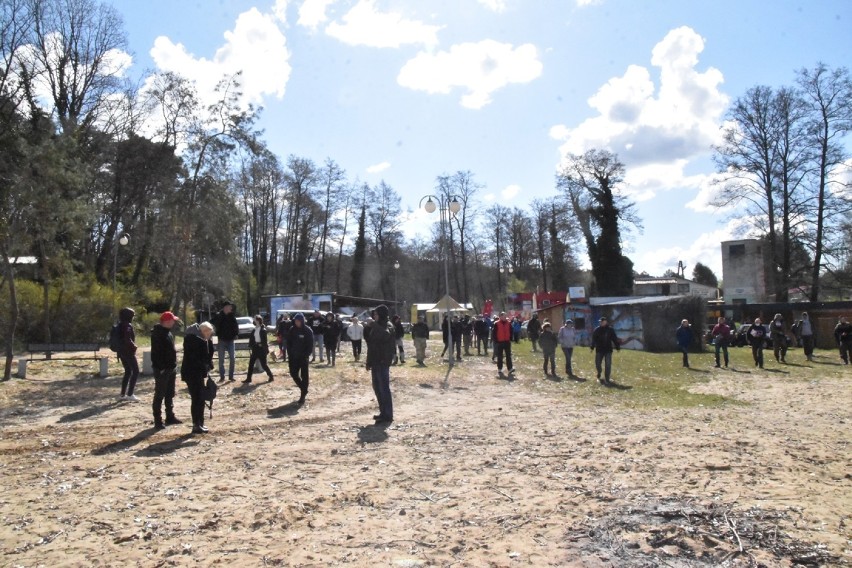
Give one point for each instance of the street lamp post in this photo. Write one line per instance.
(123, 240)
(396, 287)
(446, 206)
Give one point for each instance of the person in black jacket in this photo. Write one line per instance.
(127, 354)
(420, 335)
(467, 334)
(282, 327)
(534, 331)
(604, 340)
(164, 362)
(316, 322)
(458, 330)
(197, 363)
(331, 330)
(480, 328)
(259, 349)
(757, 339)
(300, 349)
(381, 348)
(227, 330)
(398, 335)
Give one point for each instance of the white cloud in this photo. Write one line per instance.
(582, 3)
(364, 25)
(480, 68)
(374, 169)
(662, 127)
(510, 192)
(255, 46)
(312, 13)
(706, 249)
(279, 10)
(498, 6)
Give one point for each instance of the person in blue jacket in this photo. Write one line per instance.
(684, 340)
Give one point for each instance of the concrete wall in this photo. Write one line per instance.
(743, 271)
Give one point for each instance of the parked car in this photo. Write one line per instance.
(246, 327)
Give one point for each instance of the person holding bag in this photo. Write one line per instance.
(259, 348)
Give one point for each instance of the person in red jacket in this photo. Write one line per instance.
(503, 343)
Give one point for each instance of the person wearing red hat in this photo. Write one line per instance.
(164, 361)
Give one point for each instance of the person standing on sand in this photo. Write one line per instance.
(399, 336)
(381, 349)
(684, 340)
(227, 330)
(567, 339)
(548, 341)
(480, 329)
(604, 340)
(127, 354)
(164, 362)
(300, 349)
(197, 363)
(331, 338)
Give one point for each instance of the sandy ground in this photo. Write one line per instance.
(476, 471)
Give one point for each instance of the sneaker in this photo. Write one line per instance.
(121, 397)
(132, 398)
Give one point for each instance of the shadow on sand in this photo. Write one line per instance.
(289, 409)
(126, 444)
(373, 434)
(166, 446)
(88, 412)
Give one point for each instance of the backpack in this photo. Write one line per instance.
(210, 393)
(115, 338)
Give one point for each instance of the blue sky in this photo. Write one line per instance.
(405, 90)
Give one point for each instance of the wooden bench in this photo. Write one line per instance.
(48, 350)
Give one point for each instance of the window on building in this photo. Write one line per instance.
(683, 288)
(580, 323)
(736, 250)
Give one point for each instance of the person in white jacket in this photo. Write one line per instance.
(355, 333)
(567, 339)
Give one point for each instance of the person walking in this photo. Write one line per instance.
(317, 322)
(567, 339)
(381, 349)
(420, 335)
(548, 341)
(516, 330)
(805, 332)
(331, 331)
(467, 334)
(757, 339)
(300, 349)
(196, 365)
(227, 330)
(164, 363)
(480, 329)
(503, 343)
(259, 349)
(684, 340)
(778, 335)
(843, 336)
(445, 335)
(721, 335)
(355, 332)
(457, 329)
(398, 335)
(127, 354)
(534, 328)
(604, 340)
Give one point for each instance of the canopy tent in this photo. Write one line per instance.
(447, 303)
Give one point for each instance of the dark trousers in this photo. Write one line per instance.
(481, 341)
(569, 353)
(846, 351)
(808, 345)
(757, 354)
(331, 352)
(551, 357)
(131, 372)
(299, 372)
(164, 390)
(779, 347)
(258, 355)
(603, 359)
(381, 386)
(685, 352)
(723, 347)
(457, 344)
(356, 348)
(503, 348)
(196, 394)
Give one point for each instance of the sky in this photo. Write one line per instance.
(407, 90)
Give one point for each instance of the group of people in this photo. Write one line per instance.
(298, 342)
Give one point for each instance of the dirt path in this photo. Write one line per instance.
(476, 471)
